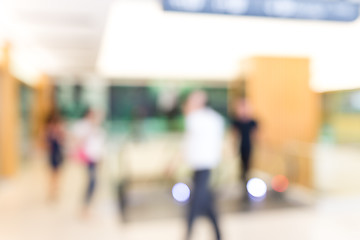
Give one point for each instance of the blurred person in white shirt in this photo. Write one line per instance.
(204, 133)
(90, 139)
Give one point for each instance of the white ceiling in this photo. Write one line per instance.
(63, 37)
(167, 45)
(54, 36)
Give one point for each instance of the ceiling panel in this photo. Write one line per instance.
(67, 32)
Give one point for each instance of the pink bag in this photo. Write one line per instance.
(81, 155)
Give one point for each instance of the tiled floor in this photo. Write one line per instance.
(25, 214)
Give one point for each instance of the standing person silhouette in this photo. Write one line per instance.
(244, 129)
(204, 131)
(90, 138)
(55, 135)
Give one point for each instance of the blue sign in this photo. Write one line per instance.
(293, 9)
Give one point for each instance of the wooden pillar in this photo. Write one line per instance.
(42, 105)
(288, 111)
(9, 118)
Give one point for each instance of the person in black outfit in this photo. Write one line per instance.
(244, 127)
(54, 139)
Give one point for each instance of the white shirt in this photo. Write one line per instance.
(204, 139)
(92, 139)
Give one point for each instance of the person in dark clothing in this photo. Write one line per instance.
(244, 128)
(54, 139)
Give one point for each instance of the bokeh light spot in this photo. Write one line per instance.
(181, 192)
(280, 183)
(256, 188)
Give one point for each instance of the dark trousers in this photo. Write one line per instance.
(91, 182)
(56, 158)
(245, 155)
(202, 202)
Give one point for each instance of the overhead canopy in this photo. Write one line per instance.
(292, 9)
(143, 41)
